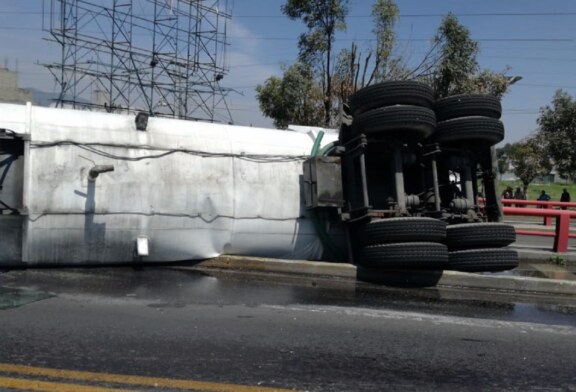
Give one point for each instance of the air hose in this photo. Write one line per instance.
(325, 239)
(316, 145)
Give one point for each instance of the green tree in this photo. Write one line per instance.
(450, 66)
(529, 160)
(457, 60)
(294, 98)
(490, 82)
(453, 65)
(557, 130)
(355, 69)
(323, 18)
(385, 14)
(503, 159)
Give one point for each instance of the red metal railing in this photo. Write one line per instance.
(562, 232)
(540, 204)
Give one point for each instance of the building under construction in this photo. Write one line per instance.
(9, 90)
(163, 57)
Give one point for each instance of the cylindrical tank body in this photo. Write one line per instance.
(194, 190)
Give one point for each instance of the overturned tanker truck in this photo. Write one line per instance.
(408, 182)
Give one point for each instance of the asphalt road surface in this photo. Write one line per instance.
(541, 243)
(164, 329)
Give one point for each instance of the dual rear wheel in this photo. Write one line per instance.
(427, 243)
(407, 112)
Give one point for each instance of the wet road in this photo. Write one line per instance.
(165, 329)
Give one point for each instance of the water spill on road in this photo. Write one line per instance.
(16, 297)
(173, 290)
(543, 270)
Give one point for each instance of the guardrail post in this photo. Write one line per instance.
(562, 231)
(548, 219)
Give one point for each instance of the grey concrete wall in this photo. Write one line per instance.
(9, 90)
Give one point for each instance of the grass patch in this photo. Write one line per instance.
(558, 259)
(554, 190)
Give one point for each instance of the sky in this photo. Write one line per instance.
(535, 38)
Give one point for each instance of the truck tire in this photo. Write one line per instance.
(391, 93)
(397, 122)
(405, 255)
(486, 130)
(410, 229)
(466, 105)
(479, 235)
(483, 260)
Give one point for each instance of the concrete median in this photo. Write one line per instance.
(504, 282)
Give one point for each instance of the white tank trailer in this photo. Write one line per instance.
(408, 183)
(81, 187)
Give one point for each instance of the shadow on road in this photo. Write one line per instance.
(399, 278)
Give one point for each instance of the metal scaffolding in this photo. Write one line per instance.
(164, 57)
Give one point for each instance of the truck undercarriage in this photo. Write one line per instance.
(417, 192)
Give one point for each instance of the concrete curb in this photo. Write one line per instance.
(394, 278)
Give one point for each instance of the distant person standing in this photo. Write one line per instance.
(543, 197)
(565, 197)
(519, 195)
(507, 194)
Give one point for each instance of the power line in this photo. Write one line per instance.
(524, 110)
(565, 40)
(483, 14)
(33, 73)
(543, 85)
(480, 14)
(467, 14)
(413, 39)
(531, 58)
(20, 12)
(16, 28)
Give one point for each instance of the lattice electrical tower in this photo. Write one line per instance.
(165, 57)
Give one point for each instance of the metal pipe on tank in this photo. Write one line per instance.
(95, 171)
(399, 179)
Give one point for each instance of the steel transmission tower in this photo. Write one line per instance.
(165, 57)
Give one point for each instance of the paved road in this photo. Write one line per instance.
(113, 329)
(541, 243)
